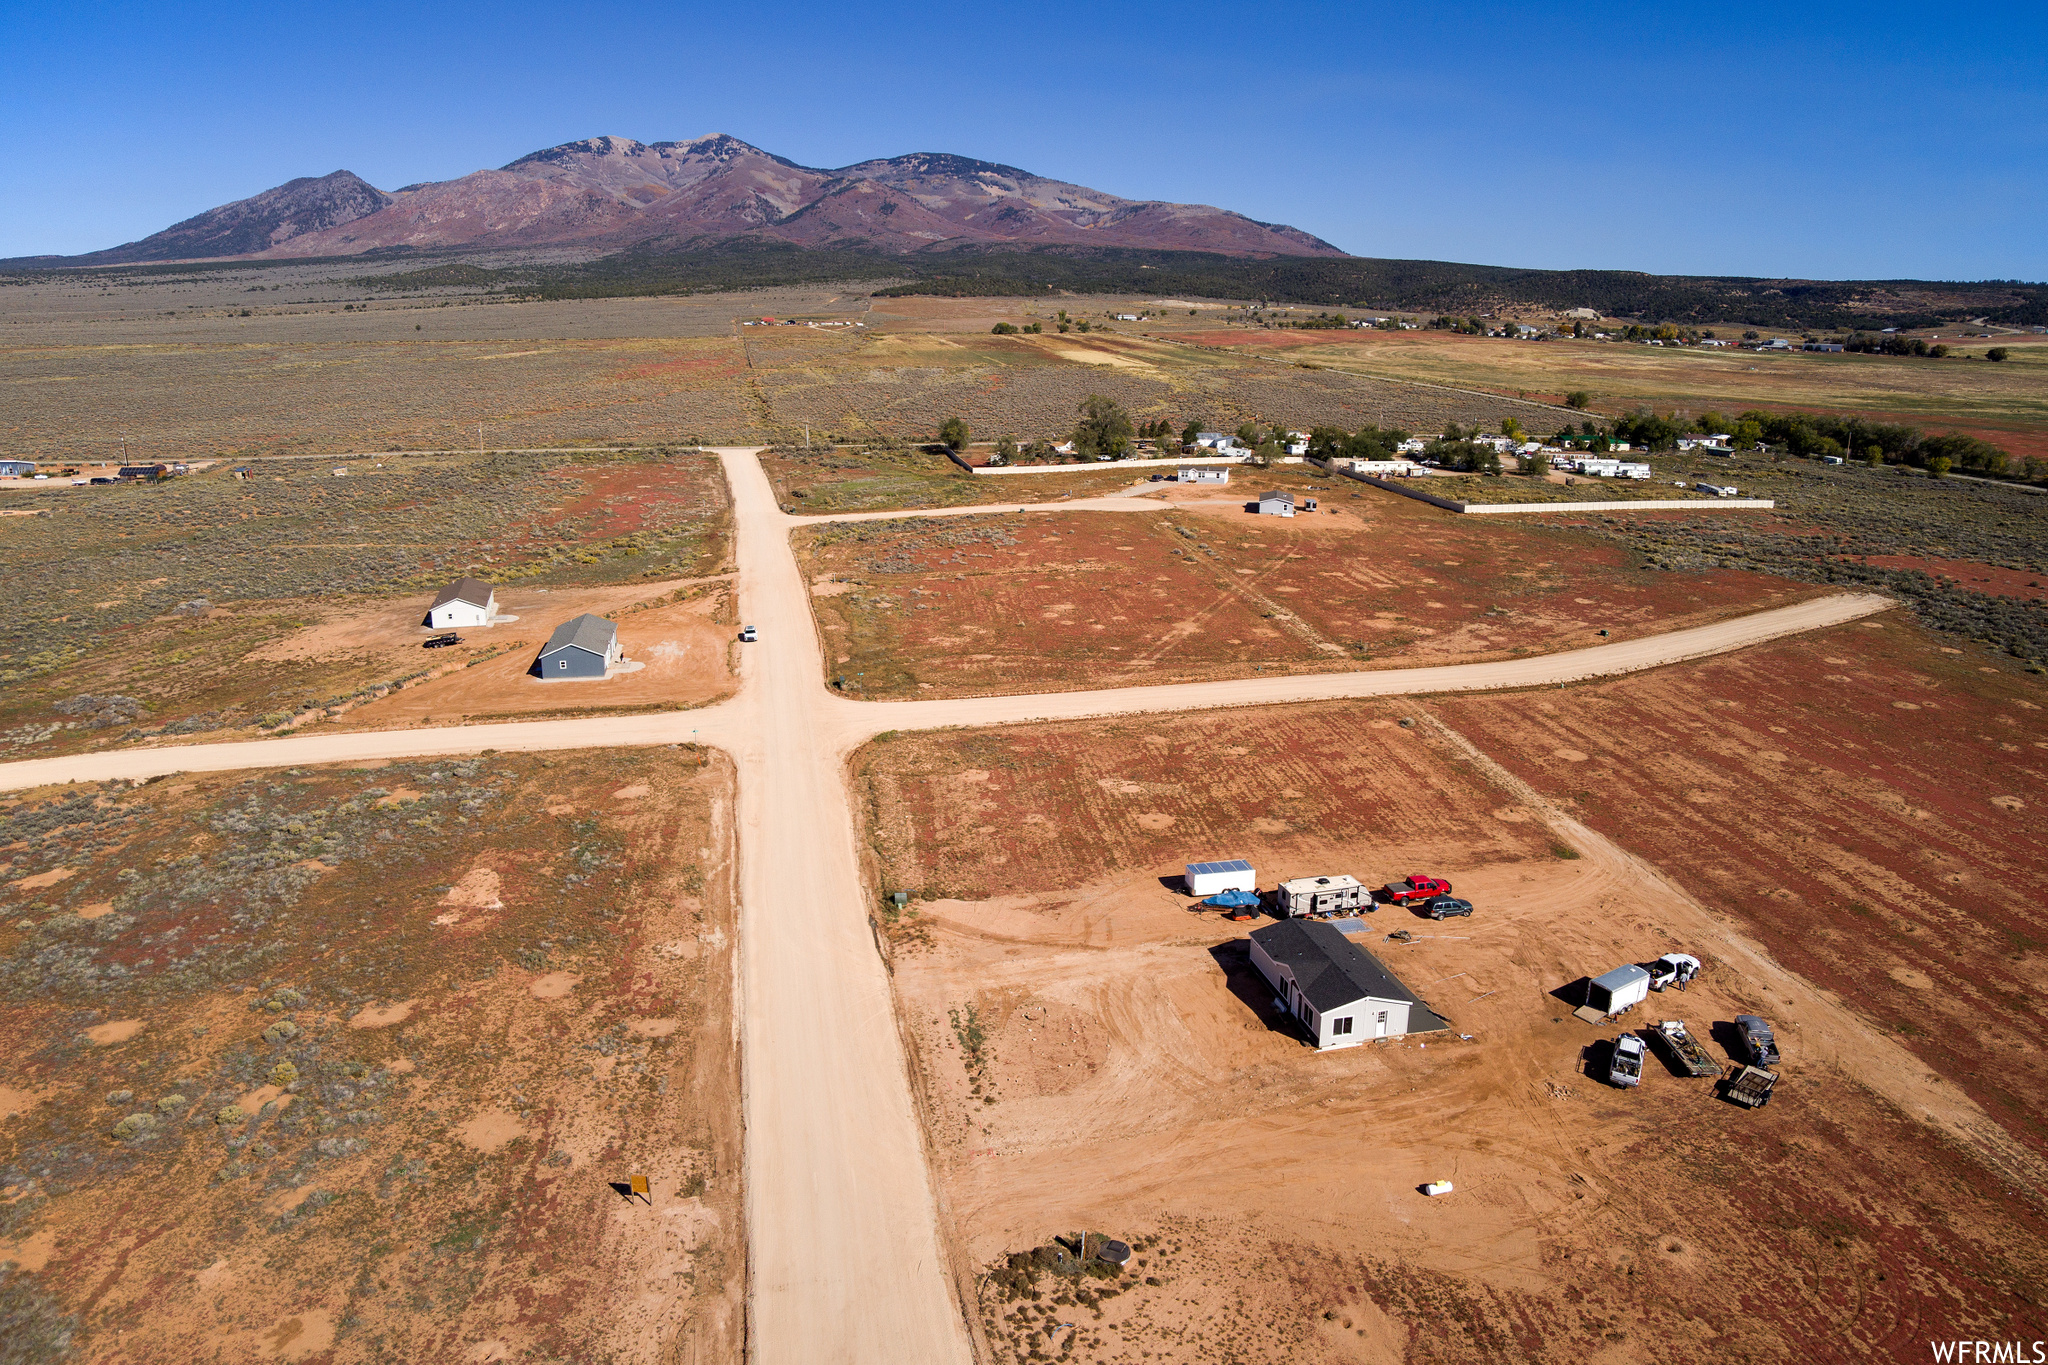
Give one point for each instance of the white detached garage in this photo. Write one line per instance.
(464, 603)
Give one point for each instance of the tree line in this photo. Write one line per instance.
(1104, 430)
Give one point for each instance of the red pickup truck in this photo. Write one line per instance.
(1415, 888)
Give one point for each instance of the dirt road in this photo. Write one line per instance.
(842, 1225)
(845, 1259)
(860, 721)
(851, 723)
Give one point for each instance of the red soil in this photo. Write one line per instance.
(1871, 805)
(1093, 600)
(1965, 573)
(697, 367)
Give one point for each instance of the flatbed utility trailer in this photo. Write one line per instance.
(1681, 1047)
(1750, 1087)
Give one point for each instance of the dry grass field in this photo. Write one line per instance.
(321, 367)
(343, 1064)
(2006, 403)
(1094, 1057)
(1968, 556)
(210, 603)
(836, 479)
(1202, 589)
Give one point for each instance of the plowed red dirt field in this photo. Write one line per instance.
(1869, 803)
(1202, 589)
(1094, 1056)
(341, 1065)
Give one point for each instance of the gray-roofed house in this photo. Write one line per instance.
(580, 648)
(1339, 993)
(465, 602)
(1278, 503)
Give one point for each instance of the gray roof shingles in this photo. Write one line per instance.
(588, 632)
(471, 590)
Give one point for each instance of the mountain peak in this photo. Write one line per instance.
(940, 164)
(609, 192)
(257, 224)
(569, 151)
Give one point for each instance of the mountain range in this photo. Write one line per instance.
(610, 193)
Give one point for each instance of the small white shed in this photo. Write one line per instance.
(1278, 503)
(465, 602)
(1209, 879)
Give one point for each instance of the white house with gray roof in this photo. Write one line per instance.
(584, 647)
(465, 602)
(1339, 993)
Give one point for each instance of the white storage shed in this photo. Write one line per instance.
(465, 602)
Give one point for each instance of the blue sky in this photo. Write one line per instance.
(1818, 139)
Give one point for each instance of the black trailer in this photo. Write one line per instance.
(1750, 1087)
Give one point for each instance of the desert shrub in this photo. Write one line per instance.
(193, 541)
(34, 1328)
(1859, 515)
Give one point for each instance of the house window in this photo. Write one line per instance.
(1341, 1025)
(561, 663)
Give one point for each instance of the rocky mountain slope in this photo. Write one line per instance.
(611, 192)
(247, 227)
